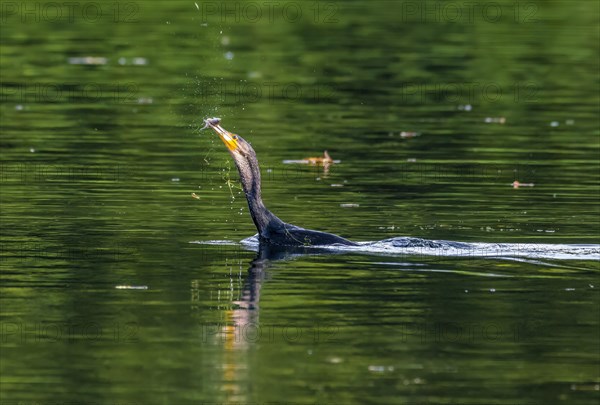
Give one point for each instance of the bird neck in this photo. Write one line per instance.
(261, 216)
(251, 184)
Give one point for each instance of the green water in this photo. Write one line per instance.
(99, 162)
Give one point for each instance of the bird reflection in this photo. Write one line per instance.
(245, 312)
(241, 328)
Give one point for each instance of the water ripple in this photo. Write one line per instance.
(444, 248)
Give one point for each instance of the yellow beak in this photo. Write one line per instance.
(226, 136)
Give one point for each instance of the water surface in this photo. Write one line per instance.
(101, 152)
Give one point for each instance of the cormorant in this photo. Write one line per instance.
(271, 229)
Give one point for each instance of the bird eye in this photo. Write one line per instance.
(235, 137)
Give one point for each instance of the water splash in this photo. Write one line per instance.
(443, 248)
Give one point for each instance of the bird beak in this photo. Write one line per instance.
(226, 136)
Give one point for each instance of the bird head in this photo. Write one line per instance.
(236, 145)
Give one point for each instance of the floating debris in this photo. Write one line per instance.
(406, 134)
(138, 61)
(194, 195)
(495, 120)
(131, 287)
(349, 205)
(145, 100)
(334, 360)
(517, 184)
(88, 60)
(229, 55)
(466, 107)
(380, 369)
(585, 387)
(175, 179)
(326, 161)
(554, 124)
(307, 162)
(315, 161)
